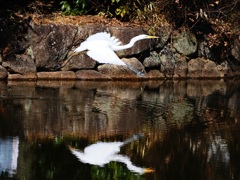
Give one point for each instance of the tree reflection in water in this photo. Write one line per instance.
(191, 127)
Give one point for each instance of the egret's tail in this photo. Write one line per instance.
(133, 138)
(138, 73)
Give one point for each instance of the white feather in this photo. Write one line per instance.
(104, 36)
(105, 55)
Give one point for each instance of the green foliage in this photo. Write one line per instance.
(121, 11)
(66, 8)
(74, 7)
(124, 10)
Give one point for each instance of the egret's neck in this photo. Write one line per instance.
(129, 45)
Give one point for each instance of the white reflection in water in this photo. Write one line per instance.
(9, 155)
(219, 150)
(102, 153)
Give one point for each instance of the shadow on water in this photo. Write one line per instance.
(191, 128)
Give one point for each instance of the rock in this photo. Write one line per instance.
(84, 31)
(204, 68)
(204, 50)
(80, 61)
(22, 64)
(223, 67)
(184, 42)
(155, 74)
(3, 73)
(50, 44)
(164, 33)
(236, 49)
(44, 48)
(181, 67)
(122, 72)
(152, 61)
(167, 59)
(19, 77)
(58, 75)
(91, 75)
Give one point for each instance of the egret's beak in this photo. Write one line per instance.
(153, 37)
(148, 170)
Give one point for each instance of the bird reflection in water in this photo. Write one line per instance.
(102, 153)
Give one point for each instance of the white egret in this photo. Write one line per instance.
(101, 47)
(102, 153)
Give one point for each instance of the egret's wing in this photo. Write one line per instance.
(104, 36)
(105, 55)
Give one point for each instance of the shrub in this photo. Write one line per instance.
(121, 9)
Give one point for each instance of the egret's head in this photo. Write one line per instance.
(152, 37)
(145, 36)
(142, 36)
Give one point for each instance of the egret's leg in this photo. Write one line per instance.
(69, 58)
(58, 67)
(138, 73)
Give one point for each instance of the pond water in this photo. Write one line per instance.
(191, 129)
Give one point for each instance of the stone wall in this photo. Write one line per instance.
(44, 48)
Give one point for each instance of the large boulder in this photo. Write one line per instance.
(152, 61)
(205, 68)
(50, 44)
(78, 62)
(21, 66)
(184, 42)
(122, 72)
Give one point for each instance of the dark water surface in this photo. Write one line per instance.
(191, 129)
